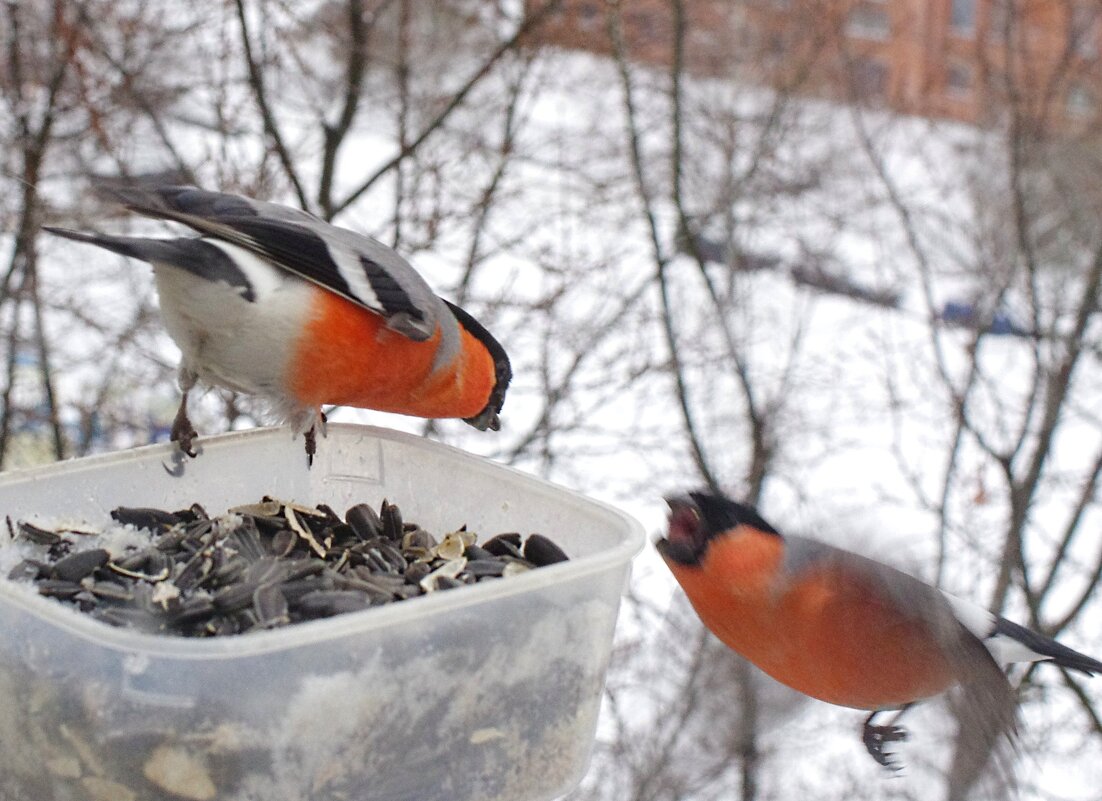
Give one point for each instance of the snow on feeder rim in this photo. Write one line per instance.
(484, 692)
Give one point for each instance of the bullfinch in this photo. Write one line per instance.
(849, 630)
(272, 301)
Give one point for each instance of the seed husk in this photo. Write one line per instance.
(58, 588)
(266, 508)
(39, 536)
(283, 542)
(454, 544)
(417, 538)
(111, 590)
(28, 569)
(514, 567)
(127, 617)
(141, 517)
(270, 606)
(504, 545)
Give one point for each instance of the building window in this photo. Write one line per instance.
(962, 17)
(776, 47)
(589, 16)
(644, 25)
(1083, 27)
(1080, 102)
(958, 80)
(870, 77)
(869, 21)
(999, 21)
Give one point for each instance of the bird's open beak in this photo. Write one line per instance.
(684, 542)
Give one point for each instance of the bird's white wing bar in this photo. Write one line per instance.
(1005, 650)
(1009, 643)
(262, 275)
(972, 616)
(355, 277)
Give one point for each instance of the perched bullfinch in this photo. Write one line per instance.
(272, 301)
(849, 630)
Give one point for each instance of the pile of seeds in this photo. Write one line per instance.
(263, 565)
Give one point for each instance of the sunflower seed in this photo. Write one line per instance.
(364, 521)
(480, 568)
(391, 517)
(323, 603)
(264, 565)
(234, 597)
(77, 565)
(541, 552)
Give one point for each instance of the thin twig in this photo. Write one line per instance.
(527, 25)
(260, 94)
(661, 260)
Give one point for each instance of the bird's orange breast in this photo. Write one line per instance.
(828, 635)
(346, 355)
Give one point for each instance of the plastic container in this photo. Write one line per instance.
(487, 692)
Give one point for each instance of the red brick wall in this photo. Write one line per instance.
(906, 54)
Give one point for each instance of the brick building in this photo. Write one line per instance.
(969, 60)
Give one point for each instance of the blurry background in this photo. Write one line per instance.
(841, 259)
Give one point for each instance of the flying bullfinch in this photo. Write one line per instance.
(272, 301)
(848, 630)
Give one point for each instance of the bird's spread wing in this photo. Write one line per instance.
(911, 597)
(354, 266)
(983, 703)
(986, 710)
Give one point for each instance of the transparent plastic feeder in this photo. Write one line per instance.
(486, 692)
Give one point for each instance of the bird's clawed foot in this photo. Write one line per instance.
(310, 437)
(183, 432)
(877, 737)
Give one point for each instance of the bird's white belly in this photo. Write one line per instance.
(229, 341)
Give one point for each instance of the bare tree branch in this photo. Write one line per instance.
(260, 94)
(527, 25)
(1057, 386)
(661, 260)
(336, 133)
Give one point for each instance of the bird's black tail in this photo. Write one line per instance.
(200, 258)
(123, 245)
(1048, 648)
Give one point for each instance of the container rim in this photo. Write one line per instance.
(313, 632)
